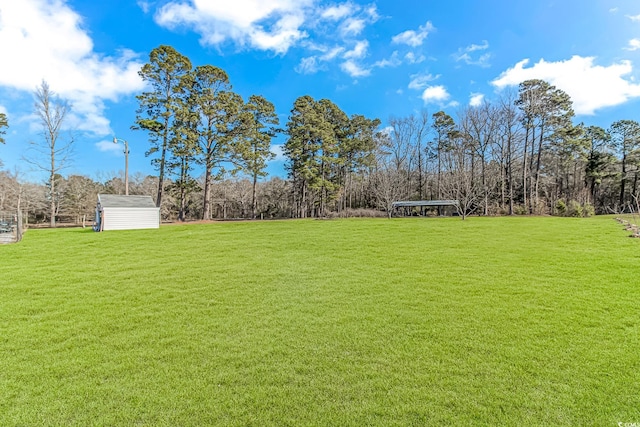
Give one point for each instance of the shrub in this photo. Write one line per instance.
(497, 210)
(588, 210)
(561, 208)
(574, 209)
(520, 210)
(357, 213)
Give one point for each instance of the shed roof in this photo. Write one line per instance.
(118, 201)
(418, 203)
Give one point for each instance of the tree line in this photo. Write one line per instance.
(75, 197)
(519, 154)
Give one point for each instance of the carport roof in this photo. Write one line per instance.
(418, 203)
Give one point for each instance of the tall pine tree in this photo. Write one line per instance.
(157, 108)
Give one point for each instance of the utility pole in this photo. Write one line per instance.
(126, 164)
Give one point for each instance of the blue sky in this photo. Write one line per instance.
(380, 59)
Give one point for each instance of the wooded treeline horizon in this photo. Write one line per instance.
(519, 154)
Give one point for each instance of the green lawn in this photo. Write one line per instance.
(490, 321)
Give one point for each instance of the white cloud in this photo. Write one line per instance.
(475, 100)
(338, 12)
(465, 54)
(635, 18)
(483, 60)
(411, 58)
(144, 5)
(285, 34)
(372, 13)
(420, 81)
(414, 38)
(353, 69)
(387, 130)
(45, 40)
(357, 19)
(308, 65)
(359, 50)
(474, 47)
(436, 94)
(313, 64)
(274, 25)
(277, 149)
(634, 44)
(332, 53)
(590, 86)
(352, 26)
(277, 26)
(109, 147)
(393, 61)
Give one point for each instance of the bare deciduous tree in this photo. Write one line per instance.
(52, 154)
(458, 182)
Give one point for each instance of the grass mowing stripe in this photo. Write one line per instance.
(350, 322)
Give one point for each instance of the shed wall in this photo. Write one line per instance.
(130, 218)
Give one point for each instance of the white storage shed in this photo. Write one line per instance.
(115, 212)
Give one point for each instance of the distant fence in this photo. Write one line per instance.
(11, 226)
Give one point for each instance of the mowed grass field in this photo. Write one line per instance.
(490, 321)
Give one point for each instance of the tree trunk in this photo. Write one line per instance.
(206, 211)
(623, 180)
(161, 178)
(503, 182)
(254, 201)
(420, 192)
(485, 190)
(163, 156)
(323, 190)
(524, 168)
(303, 201)
(439, 180)
(52, 205)
(19, 229)
(538, 160)
(183, 189)
(181, 214)
(531, 170)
